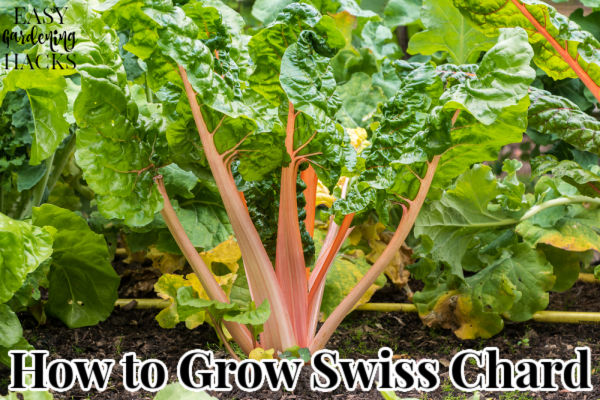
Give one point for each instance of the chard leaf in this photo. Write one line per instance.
(515, 245)
(23, 248)
(503, 78)
(401, 12)
(514, 286)
(267, 47)
(307, 78)
(46, 93)
(586, 180)
(463, 114)
(357, 111)
(563, 119)
(447, 30)
(11, 331)
(116, 149)
(458, 222)
(491, 15)
(83, 283)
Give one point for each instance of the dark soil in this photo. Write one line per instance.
(360, 336)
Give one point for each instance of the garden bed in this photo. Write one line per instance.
(360, 336)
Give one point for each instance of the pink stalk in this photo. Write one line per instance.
(289, 258)
(333, 235)
(240, 333)
(406, 223)
(259, 270)
(314, 306)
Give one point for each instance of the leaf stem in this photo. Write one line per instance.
(60, 162)
(239, 332)
(406, 223)
(260, 273)
(557, 202)
(289, 256)
(39, 189)
(221, 336)
(585, 78)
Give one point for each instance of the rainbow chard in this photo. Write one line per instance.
(266, 107)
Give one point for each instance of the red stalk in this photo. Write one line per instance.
(259, 270)
(585, 78)
(321, 270)
(309, 176)
(289, 258)
(240, 333)
(406, 223)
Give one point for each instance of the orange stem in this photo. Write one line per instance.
(585, 78)
(309, 176)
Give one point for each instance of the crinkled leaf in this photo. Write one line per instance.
(503, 78)
(563, 119)
(359, 110)
(514, 286)
(491, 15)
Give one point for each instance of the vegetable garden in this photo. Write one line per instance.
(244, 175)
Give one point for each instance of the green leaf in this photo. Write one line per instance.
(587, 181)
(561, 118)
(491, 15)
(514, 286)
(266, 10)
(23, 248)
(83, 283)
(115, 150)
(46, 93)
(178, 181)
(401, 12)
(379, 39)
(268, 46)
(307, 79)
(457, 222)
(447, 30)
(253, 316)
(359, 110)
(11, 331)
(503, 78)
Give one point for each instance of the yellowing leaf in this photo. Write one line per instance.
(167, 287)
(323, 195)
(358, 138)
(227, 253)
(261, 354)
(165, 262)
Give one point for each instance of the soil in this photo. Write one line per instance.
(360, 336)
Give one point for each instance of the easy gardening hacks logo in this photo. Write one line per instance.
(37, 38)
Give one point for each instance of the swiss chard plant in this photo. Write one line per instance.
(182, 116)
(266, 108)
